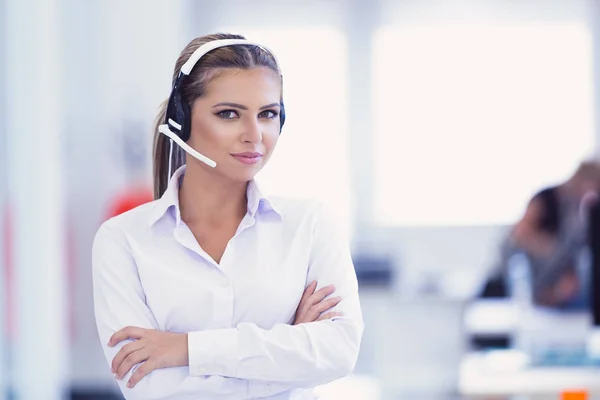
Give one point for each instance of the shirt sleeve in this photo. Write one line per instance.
(119, 301)
(305, 355)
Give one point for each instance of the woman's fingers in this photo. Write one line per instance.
(123, 353)
(329, 315)
(320, 294)
(129, 332)
(304, 305)
(327, 304)
(313, 303)
(310, 289)
(130, 361)
(141, 372)
(323, 306)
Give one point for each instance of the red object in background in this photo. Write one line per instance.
(129, 200)
(121, 203)
(574, 395)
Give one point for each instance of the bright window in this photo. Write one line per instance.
(471, 120)
(311, 159)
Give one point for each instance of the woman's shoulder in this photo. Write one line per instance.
(300, 211)
(296, 206)
(130, 221)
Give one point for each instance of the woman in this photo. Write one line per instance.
(552, 235)
(213, 290)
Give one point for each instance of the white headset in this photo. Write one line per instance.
(175, 101)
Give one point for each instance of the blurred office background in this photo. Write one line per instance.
(427, 125)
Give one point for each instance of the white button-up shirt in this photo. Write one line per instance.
(150, 272)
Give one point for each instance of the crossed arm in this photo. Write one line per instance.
(245, 359)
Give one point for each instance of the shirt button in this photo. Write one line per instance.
(224, 281)
(202, 370)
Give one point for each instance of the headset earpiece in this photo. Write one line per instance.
(281, 116)
(178, 116)
(178, 113)
(186, 119)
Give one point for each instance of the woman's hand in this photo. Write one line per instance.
(156, 349)
(312, 304)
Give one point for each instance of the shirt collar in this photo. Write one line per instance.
(257, 201)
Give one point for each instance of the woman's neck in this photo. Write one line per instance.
(206, 198)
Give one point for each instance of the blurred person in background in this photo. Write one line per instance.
(552, 237)
(214, 290)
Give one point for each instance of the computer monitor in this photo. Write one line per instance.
(594, 244)
(593, 339)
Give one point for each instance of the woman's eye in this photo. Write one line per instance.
(268, 114)
(227, 114)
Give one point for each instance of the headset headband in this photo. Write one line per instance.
(177, 119)
(215, 44)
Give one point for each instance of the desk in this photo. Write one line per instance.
(505, 373)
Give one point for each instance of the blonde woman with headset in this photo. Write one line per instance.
(214, 290)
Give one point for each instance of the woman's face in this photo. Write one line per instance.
(236, 122)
